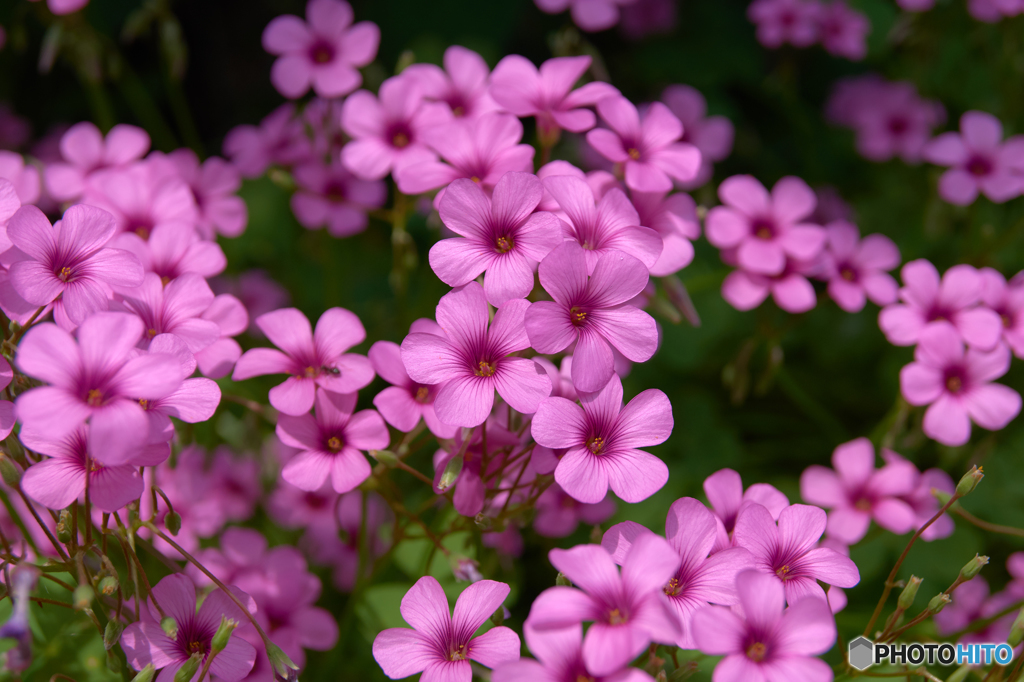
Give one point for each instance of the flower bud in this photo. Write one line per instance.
(385, 457)
(173, 522)
(1016, 630)
(466, 569)
(112, 633)
(563, 581)
(498, 617)
(146, 674)
(908, 594)
(189, 668)
(482, 521)
(282, 665)
(969, 481)
(169, 626)
(82, 596)
(108, 585)
(938, 602)
(960, 674)
(450, 474)
(662, 676)
(9, 471)
(64, 527)
(973, 567)
(223, 634)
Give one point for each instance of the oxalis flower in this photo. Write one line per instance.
(592, 312)
(767, 643)
(601, 441)
(441, 644)
(474, 360)
(501, 235)
(312, 358)
(629, 609)
(726, 496)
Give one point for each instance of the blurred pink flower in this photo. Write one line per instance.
(462, 84)
(175, 309)
(324, 51)
(143, 197)
(785, 21)
(344, 554)
(172, 250)
(86, 151)
(856, 269)
(979, 160)
(711, 135)
(257, 292)
(1007, 301)
(280, 138)
(218, 359)
(405, 402)
(971, 602)
(649, 17)
(213, 184)
(558, 514)
(60, 7)
(725, 493)
(923, 501)
(560, 659)
(674, 218)
(25, 178)
(957, 385)
(590, 15)
(790, 289)
(843, 30)
(330, 195)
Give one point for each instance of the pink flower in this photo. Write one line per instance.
(144, 197)
(629, 609)
(213, 184)
(711, 135)
(462, 84)
(843, 30)
(857, 493)
(560, 659)
(857, 269)
(601, 440)
(60, 479)
(7, 414)
(146, 642)
(971, 603)
(482, 149)
(648, 146)
(612, 225)
(218, 359)
(441, 645)
(558, 514)
(590, 15)
(175, 309)
(916, 5)
(279, 139)
(979, 160)
(923, 501)
(69, 260)
(257, 292)
(674, 218)
(1006, 301)
(171, 251)
(726, 496)
(25, 178)
(323, 52)
(472, 361)
(768, 642)
(404, 402)
(61, 7)
(311, 358)
(86, 151)
(649, 17)
(928, 302)
(785, 21)
(691, 530)
(957, 385)
(592, 312)
(548, 94)
(330, 442)
(331, 196)
(787, 552)
(99, 378)
(388, 132)
(765, 229)
(790, 289)
(501, 236)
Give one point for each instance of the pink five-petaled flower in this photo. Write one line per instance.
(929, 301)
(501, 235)
(674, 218)
(1007, 301)
(462, 84)
(330, 195)
(788, 551)
(856, 492)
(785, 21)
(590, 15)
(322, 51)
(69, 260)
(472, 360)
(213, 184)
(611, 224)
(843, 30)
(726, 496)
(560, 659)
(146, 642)
(100, 378)
(711, 135)
(857, 268)
(745, 290)
(979, 160)
(649, 146)
(766, 644)
(629, 610)
(312, 358)
(691, 530)
(765, 229)
(523, 90)
(592, 312)
(174, 309)
(404, 402)
(601, 440)
(330, 442)
(85, 151)
(441, 644)
(957, 386)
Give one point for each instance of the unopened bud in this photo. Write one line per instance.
(385, 457)
(498, 617)
(662, 676)
(169, 626)
(450, 474)
(563, 581)
(64, 526)
(938, 602)
(908, 594)
(1016, 630)
(189, 668)
(9, 471)
(112, 633)
(173, 522)
(146, 674)
(223, 634)
(466, 569)
(969, 481)
(282, 665)
(482, 522)
(960, 674)
(82, 596)
(108, 585)
(973, 567)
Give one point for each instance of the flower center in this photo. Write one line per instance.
(422, 394)
(979, 166)
(763, 229)
(757, 651)
(1007, 320)
(196, 648)
(150, 333)
(310, 372)
(898, 125)
(321, 53)
(65, 274)
(94, 398)
(615, 617)
(459, 653)
(584, 678)
(634, 153)
(595, 445)
(143, 403)
(334, 444)
(485, 369)
(458, 111)
(475, 179)
(503, 244)
(954, 384)
(863, 504)
(673, 588)
(141, 226)
(335, 191)
(848, 274)
(400, 140)
(577, 317)
(783, 572)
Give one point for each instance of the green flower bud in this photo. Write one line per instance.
(498, 617)
(173, 522)
(908, 594)
(169, 626)
(563, 581)
(64, 527)
(112, 633)
(223, 634)
(969, 481)
(973, 567)
(82, 596)
(385, 457)
(146, 674)
(189, 668)
(108, 585)
(282, 665)
(9, 471)
(938, 602)
(450, 474)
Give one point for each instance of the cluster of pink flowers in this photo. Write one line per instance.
(839, 28)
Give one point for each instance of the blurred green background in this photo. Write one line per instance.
(838, 378)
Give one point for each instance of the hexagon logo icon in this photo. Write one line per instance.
(862, 653)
